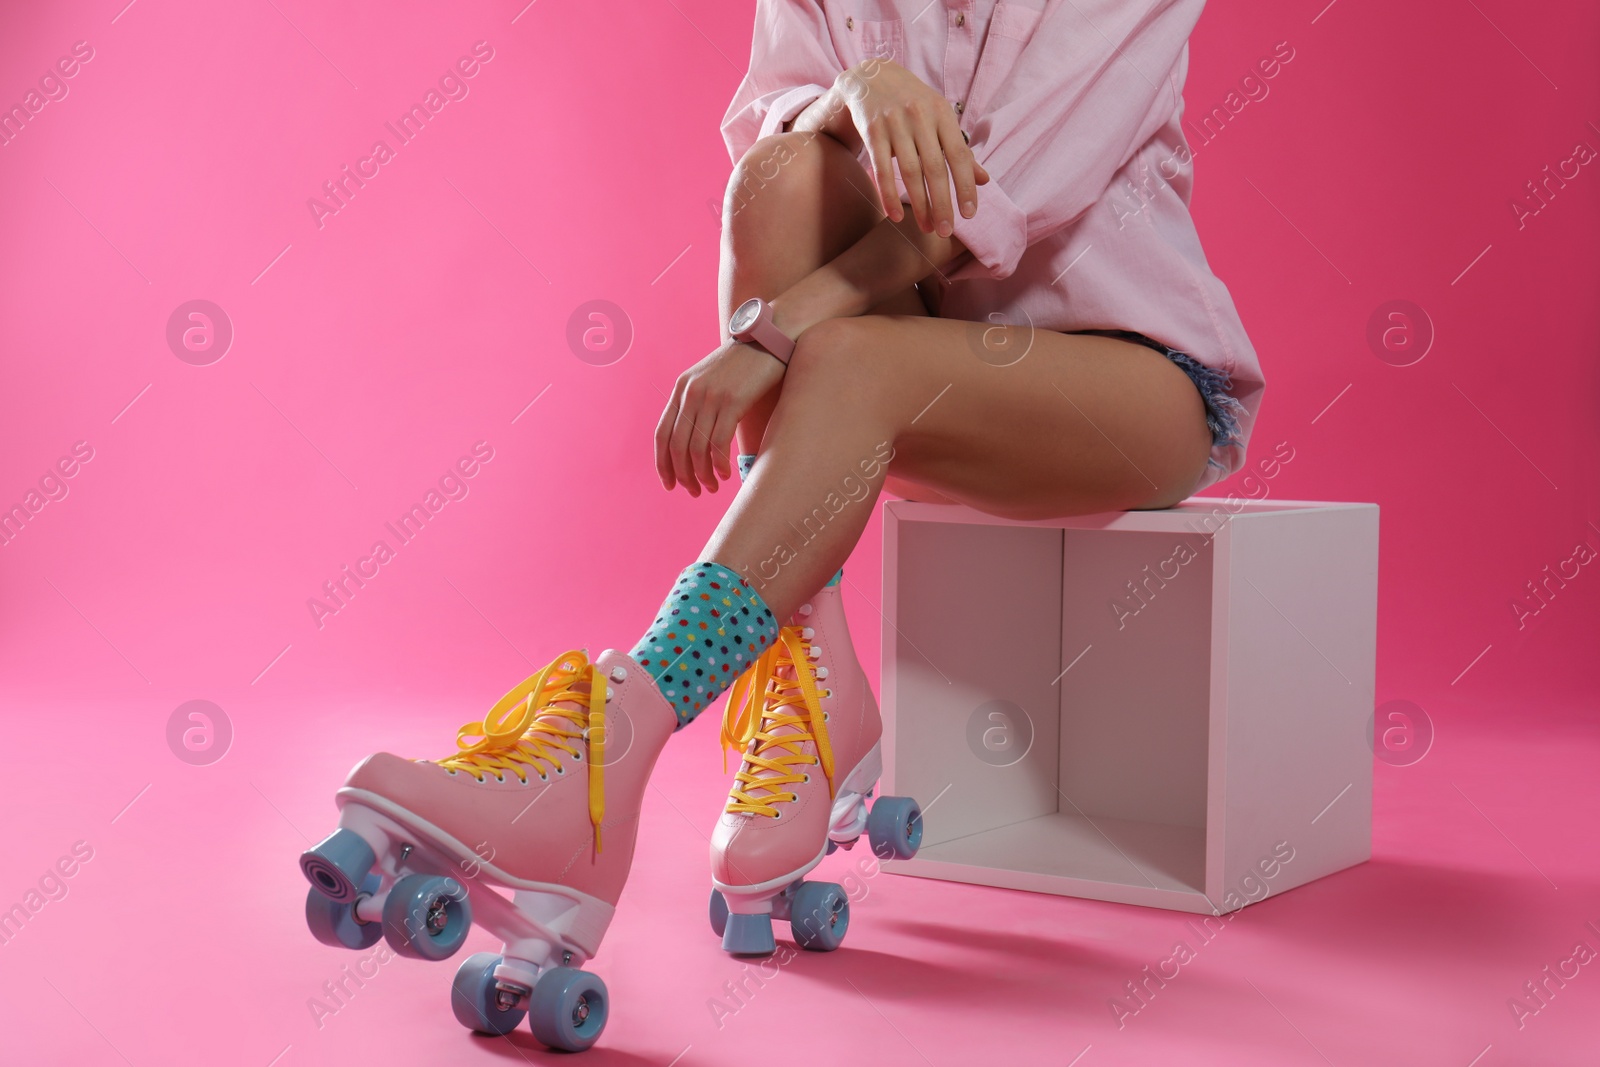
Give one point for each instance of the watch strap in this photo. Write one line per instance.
(764, 333)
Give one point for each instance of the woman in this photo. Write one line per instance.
(957, 262)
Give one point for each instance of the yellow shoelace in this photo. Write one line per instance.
(525, 728)
(761, 703)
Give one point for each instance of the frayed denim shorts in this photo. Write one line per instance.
(1222, 409)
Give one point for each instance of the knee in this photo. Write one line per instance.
(839, 359)
(773, 172)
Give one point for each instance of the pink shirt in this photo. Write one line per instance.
(1073, 107)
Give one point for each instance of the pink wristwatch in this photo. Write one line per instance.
(752, 324)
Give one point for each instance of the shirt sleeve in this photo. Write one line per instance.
(1094, 82)
(792, 62)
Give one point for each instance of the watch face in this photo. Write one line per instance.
(744, 316)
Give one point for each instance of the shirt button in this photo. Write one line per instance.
(961, 18)
(850, 23)
(961, 105)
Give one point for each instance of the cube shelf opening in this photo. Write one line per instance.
(1058, 696)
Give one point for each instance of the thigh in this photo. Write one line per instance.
(1027, 423)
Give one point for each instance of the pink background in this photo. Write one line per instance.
(585, 163)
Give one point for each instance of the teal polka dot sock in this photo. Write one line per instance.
(745, 463)
(710, 628)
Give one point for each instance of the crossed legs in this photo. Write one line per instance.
(1079, 424)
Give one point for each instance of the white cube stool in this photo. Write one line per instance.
(1168, 708)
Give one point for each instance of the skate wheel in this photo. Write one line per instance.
(719, 912)
(334, 922)
(748, 935)
(894, 825)
(426, 916)
(337, 867)
(568, 1008)
(819, 916)
(476, 1001)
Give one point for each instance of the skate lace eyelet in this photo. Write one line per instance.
(805, 778)
(499, 777)
(561, 770)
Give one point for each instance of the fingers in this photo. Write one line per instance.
(695, 437)
(699, 440)
(722, 442)
(700, 446)
(906, 124)
(905, 154)
(880, 151)
(963, 167)
(711, 441)
(937, 177)
(669, 417)
(680, 440)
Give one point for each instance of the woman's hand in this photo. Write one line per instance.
(696, 429)
(900, 117)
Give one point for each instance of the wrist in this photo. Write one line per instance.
(752, 322)
(784, 319)
(829, 114)
(801, 307)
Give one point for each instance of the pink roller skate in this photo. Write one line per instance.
(541, 799)
(809, 729)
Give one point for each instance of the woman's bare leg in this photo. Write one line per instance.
(1080, 424)
(794, 202)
